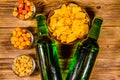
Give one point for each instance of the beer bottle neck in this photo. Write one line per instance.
(42, 26)
(95, 29)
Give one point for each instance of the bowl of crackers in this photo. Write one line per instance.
(22, 38)
(24, 10)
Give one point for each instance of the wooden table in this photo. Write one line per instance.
(107, 66)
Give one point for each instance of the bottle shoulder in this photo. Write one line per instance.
(90, 42)
(44, 39)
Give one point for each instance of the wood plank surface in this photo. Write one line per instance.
(107, 66)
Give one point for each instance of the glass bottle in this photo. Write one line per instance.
(85, 54)
(47, 54)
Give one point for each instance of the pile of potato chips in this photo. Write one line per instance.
(69, 23)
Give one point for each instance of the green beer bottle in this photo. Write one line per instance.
(47, 54)
(85, 54)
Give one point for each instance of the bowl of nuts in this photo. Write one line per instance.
(22, 38)
(23, 65)
(68, 23)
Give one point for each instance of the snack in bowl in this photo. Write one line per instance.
(68, 23)
(23, 65)
(24, 10)
(21, 38)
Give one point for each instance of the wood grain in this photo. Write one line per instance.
(107, 66)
